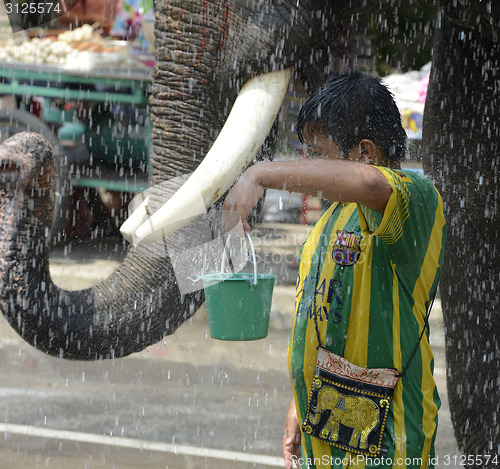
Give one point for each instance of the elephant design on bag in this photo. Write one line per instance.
(359, 413)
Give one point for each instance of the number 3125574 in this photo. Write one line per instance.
(25, 8)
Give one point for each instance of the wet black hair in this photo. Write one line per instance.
(351, 107)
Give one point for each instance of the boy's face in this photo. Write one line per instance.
(321, 146)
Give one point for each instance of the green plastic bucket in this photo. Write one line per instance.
(238, 304)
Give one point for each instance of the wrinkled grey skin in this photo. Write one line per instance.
(205, 52)
(461, 140)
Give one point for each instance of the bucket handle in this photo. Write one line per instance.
(253, 256)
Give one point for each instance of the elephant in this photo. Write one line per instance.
(359, 413)
(205, 53)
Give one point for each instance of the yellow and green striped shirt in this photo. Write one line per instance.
(378, 274)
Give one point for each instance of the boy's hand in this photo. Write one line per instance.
(241, 199)
(291, 437)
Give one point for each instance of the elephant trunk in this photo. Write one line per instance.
(135, 307)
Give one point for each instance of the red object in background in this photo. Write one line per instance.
(37, 107)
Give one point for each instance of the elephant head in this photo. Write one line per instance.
(206, 51)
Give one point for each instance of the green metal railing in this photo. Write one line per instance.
(131, 87)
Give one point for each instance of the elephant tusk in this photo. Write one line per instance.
(244, 132)
(136, 219)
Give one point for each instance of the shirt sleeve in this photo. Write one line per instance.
(389, 228)
(409, 215)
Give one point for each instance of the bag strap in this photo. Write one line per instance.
(426, 323)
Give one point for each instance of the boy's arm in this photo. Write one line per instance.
(291, 438)
(334, 180)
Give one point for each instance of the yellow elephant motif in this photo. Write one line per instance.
(359, 413)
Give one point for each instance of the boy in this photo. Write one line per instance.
(368, 270)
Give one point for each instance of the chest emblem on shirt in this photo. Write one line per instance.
(346, 250)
